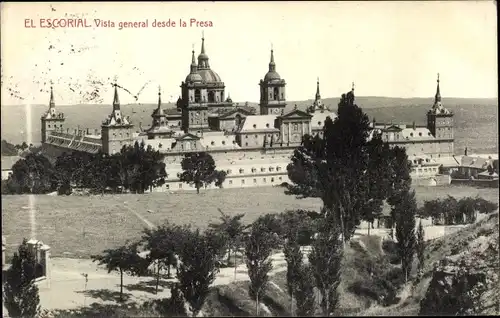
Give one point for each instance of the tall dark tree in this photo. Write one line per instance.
(258, 249)
(420, 247)
(400, 177)
(325, 259)
(405, 208)
(33, 174)
(299, 276)
(20, 296)
(124, 259)
(199, 169)
(337, 168)
(197, 269)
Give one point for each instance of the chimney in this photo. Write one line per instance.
(373, 122)
(74, 133)
(87, 131)
(414, 125)
(67, 130)
(95, 132)
(465, 152)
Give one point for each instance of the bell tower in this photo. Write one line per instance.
(440, 123)
(272, 91)
(51, 120)
(194, 101)
(116, 130)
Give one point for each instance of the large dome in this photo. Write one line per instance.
(209, 76)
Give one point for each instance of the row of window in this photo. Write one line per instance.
(242, 181)
(264, 180)
(254, 170)
(420, 170)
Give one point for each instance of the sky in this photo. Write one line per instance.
(392, 49)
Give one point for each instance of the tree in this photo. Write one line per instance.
(162, 243)
(199, 170)
(405, 208)
(231, 228)
(197, 269)
(485, 206)
(420, 247)
(400, 178)
(71, 170)
(258, 249)
(466, 210)
(124, 259)
(299, 278)
(336, 168)
(33, 174)
(144, 167)
(21, 297)
(325, 259)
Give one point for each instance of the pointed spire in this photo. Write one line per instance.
(272, 65)
(116, 100)
(318, 95)
(159, 97)
(52, 104)
(202, 42)
(437, 98)
(194, 66)
(203, 57)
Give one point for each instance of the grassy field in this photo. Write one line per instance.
(78, 226)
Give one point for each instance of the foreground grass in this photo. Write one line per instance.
(79, 226)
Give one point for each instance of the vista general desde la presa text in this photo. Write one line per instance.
(103, 23)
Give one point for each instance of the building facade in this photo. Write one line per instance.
(252, 146)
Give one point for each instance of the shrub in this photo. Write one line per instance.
(390, 249)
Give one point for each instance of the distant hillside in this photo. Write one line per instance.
(475, 119)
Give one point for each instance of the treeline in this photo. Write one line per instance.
(9, 149)
(450, 211)
(135, 168)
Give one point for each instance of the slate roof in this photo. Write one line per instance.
(258, 123)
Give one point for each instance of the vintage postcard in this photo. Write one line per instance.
(249, 158)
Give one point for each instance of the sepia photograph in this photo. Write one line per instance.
(197, 159)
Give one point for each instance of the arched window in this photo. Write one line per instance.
(197, 96)
(188, 145)
(276, 93)
(211, 97)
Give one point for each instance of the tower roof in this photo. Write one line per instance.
(437, 97)
(318, 95)
(52, 104)
(193, 76)
(203, 57)
(437, 107)
(116, 100)
(272, 75)
(158, 112)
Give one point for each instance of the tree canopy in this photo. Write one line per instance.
(199, 170)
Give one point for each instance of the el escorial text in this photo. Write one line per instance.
(102, 23)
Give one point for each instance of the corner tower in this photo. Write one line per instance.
(272, 91)
(51, 120)
(116, 130)
(440, 123)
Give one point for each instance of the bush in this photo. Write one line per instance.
(390, 248)
(377, 280)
